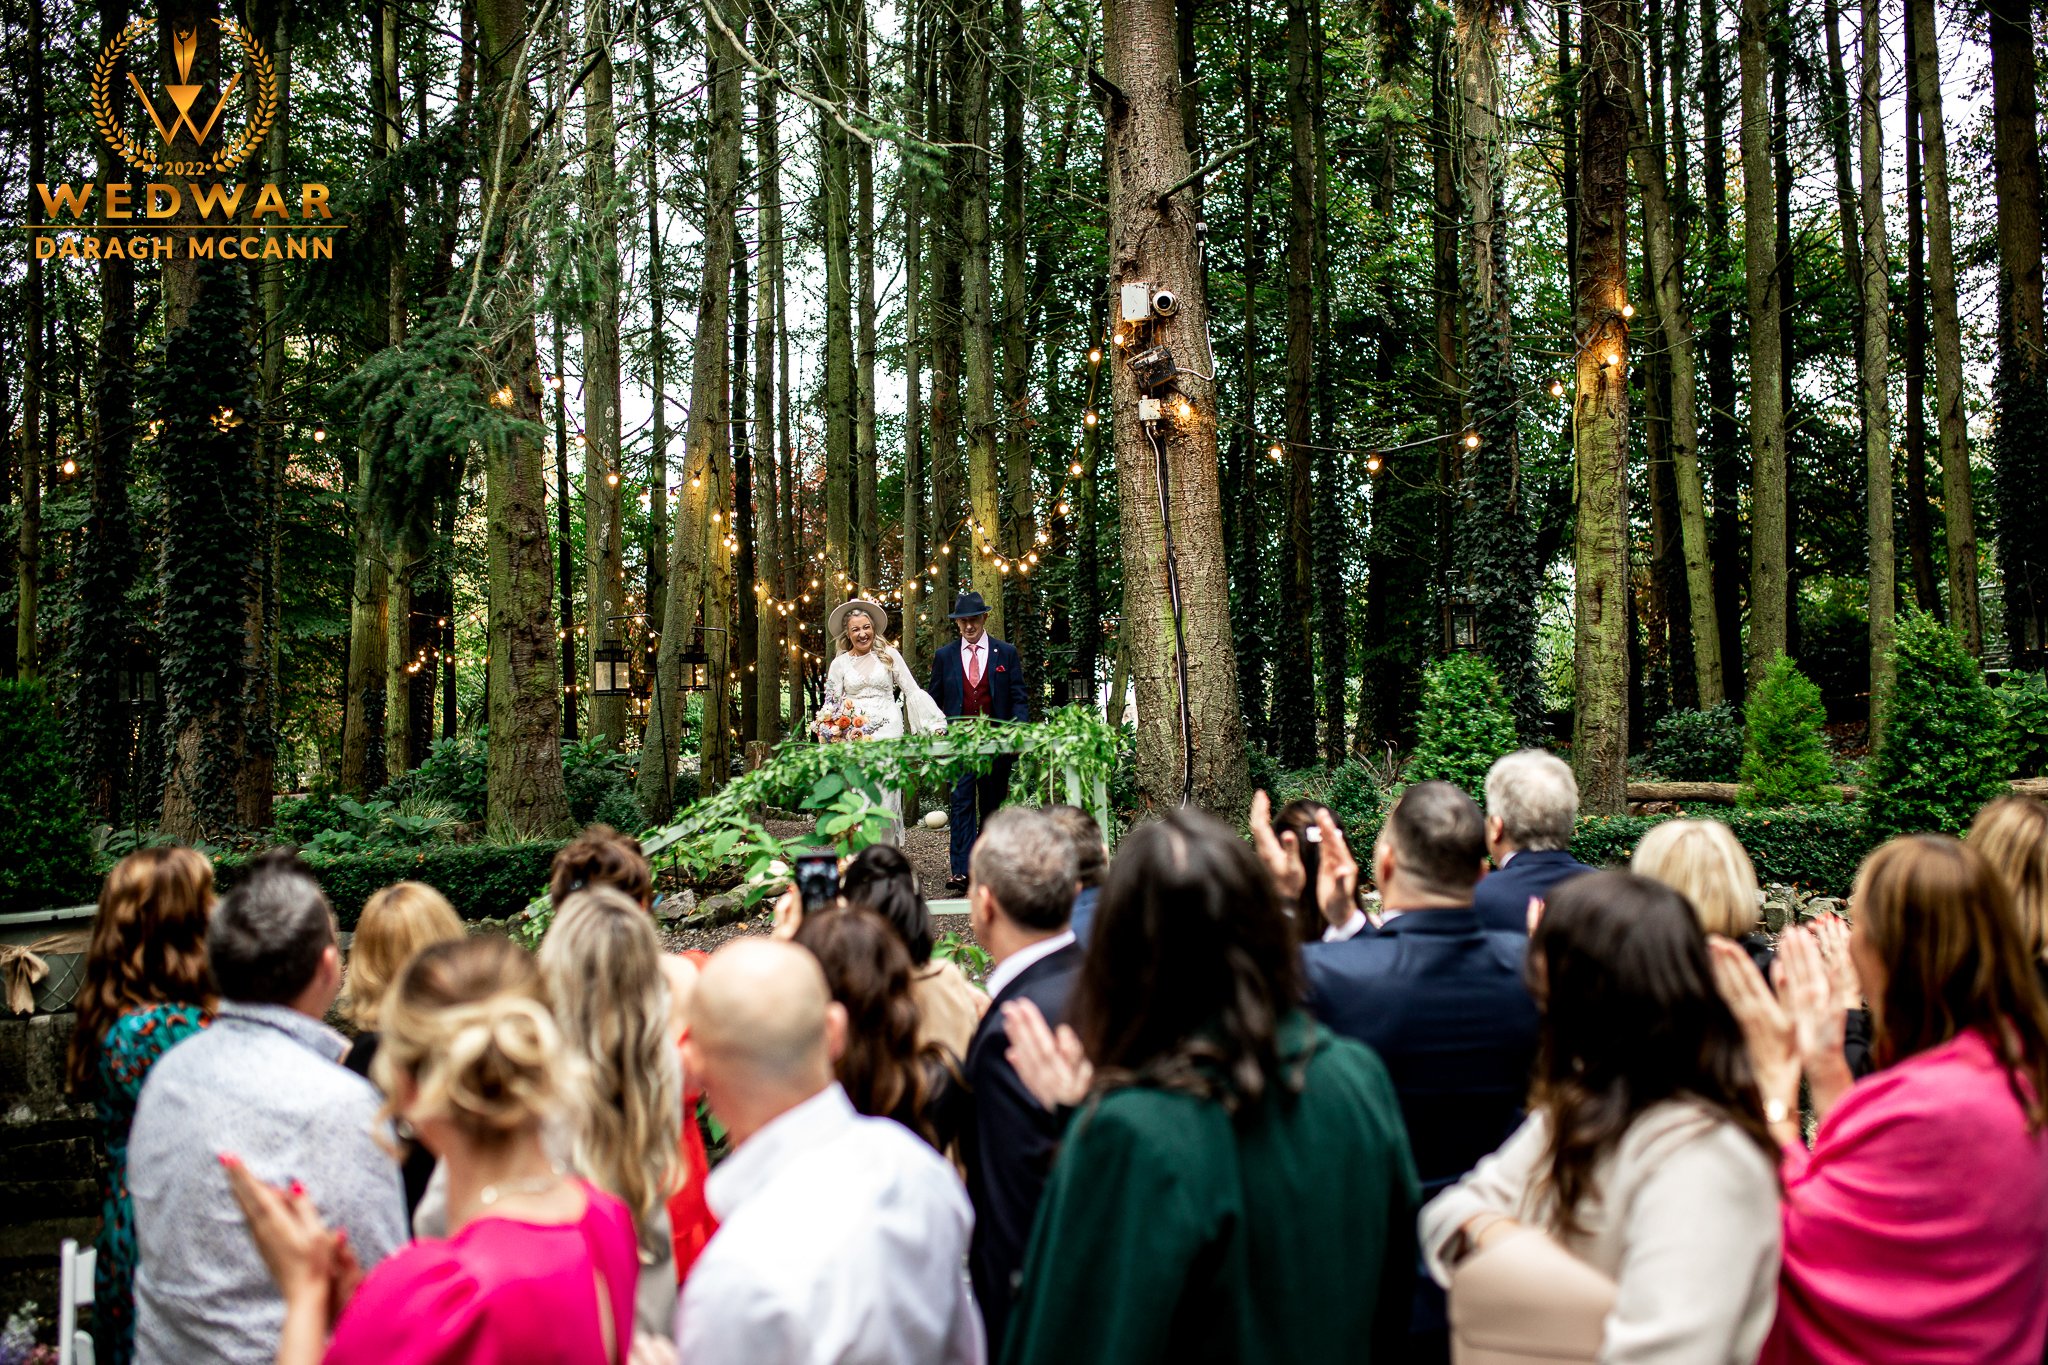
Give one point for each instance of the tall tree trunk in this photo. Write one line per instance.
(362, 722)
(28, 567)
(1335, 477)
(1178, 648)
(1874, 373)
(1294, 678)
(655, 549)
(2021, 390)
(1788, 294)
(983, 543)
(526, 792)
(836, 221)
(1919, 525)
(1601, 418)
(1841, 123)
(1958, 512)
(1766, 357)
(1666, 271)
(698, 537)
(1247, 581)
(955, 549)
(604, 549)
(770, 627)
(868, 518)
(745, 623)
(1020, 527)
(401, 556)
(1725, 456)
(916, 599)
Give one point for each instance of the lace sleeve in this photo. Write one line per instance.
(921, 714)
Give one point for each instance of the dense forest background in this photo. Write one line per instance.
(1629, 342)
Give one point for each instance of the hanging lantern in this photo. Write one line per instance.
(1461, 623)
(138, 678)
(696, 669)
(611, 672)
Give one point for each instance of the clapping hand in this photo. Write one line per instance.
(1336, 874)
(1817, 983)
(1280, 852)
(1052, 1067)
(789, 913)
(1766, 1028)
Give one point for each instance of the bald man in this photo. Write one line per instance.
(841, 1238)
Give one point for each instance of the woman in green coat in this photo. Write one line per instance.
(1235, 1184)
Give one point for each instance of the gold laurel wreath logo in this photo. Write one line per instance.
(262, 97)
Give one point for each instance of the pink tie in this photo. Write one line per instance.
(974, 665)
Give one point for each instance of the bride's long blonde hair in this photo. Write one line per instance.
(877, 644)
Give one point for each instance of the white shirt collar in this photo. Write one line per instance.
(783, 1140)
(1348, 930)
(1012, 967)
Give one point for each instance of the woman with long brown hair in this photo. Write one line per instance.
(887, 1069)
(1644, 1155)
(1917, 1226)
(146, 988)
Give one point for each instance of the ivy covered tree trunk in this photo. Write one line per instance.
(1875, 377)
(1153, 239)
(1919, 524)
(654, 548)
(28, 570)
(1495, 562)
(915, 531)
(526, 796)
(981, 543)
(1600, 419)
(1247, 582)
(1767, 623)
(1951, 429)
(1721, 442)
(697, 535)
(604, 550)
(2021, 388)
(103, 633)
(770, 627)
(867, 521)
(403, 552)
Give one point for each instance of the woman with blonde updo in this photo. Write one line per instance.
(396, 923)
(538, 1267)
(601, 962)
(1704, 862)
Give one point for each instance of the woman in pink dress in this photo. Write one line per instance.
(1916, 1229)
(538, 1269)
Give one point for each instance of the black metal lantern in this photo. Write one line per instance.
(1461, 624)
(1081, 690)
(611, 670)
(696, 669)
(138, 679)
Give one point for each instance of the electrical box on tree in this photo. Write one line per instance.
(1150, 409)
(1136, 302)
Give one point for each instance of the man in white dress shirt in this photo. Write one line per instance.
(841, 1238)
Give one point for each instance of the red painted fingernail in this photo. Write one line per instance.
(341, 1237)
(229, 1160)
(297, 1188)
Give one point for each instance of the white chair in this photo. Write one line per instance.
(74, 1288)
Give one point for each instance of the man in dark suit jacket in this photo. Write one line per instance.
(1439, 997)
(1532, 803)
(1019, 898)
(977, 675)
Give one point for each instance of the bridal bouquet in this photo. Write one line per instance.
(839, 720)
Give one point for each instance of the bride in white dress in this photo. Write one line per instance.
(872, 675)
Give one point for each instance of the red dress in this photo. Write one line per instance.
(689, 1217)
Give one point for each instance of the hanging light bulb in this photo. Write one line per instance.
(1557, 388)
(612, 477)
(1088, 418)
(1075, 469)
(1614, 357)
(1628, 310)
(1095, 355)
(1122, 339)
(1183, 409)
(1063, 509)
(1372, 464)
(1471, 440)
(69, 467)
(319, 435)
(1275, 451)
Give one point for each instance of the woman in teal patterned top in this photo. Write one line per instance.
(146, 987)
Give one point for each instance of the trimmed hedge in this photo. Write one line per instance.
(482, 881)
(1817, 847)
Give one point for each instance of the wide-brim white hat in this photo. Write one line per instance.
(835, 624)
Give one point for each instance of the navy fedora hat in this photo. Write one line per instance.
(968, 604)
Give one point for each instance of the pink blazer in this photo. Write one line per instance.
(1917, 1228)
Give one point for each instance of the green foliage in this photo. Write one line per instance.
(2024, 700)
(1351, 790)
(455, 775)
(1464, 725)
(46, 840)
(1818, 847)
(1698, 746)
(482, 881)
(963, 952)
(1785, 760)
(202, 391)
(1944, 751)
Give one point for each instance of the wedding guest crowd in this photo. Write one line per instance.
(1211, 1103)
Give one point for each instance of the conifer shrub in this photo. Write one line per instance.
(1944, 750)
(1785, 759)
(46, 839)
(1465, 723)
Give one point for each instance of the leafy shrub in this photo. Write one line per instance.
(2024, 700)
(600, 784)
(1819, 847)
(1350, 790)
(1785, 762)
(455, 772)
(482, 881)
(46, 838)
(1464, 723)
(1943, 750)
(1698, 746)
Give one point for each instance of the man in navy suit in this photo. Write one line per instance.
(1532, 802)
(977, 675)
(1440, 997)
(1025, 872)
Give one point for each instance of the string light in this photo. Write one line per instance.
(1557, 388)
(69, 467)
(1628, 310)
(503, 398)
(1095, 355)
(1275, 452)
(1471, 440)
(1183, 409)
(1088, 418)
(319, 435)
(1372, 464)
